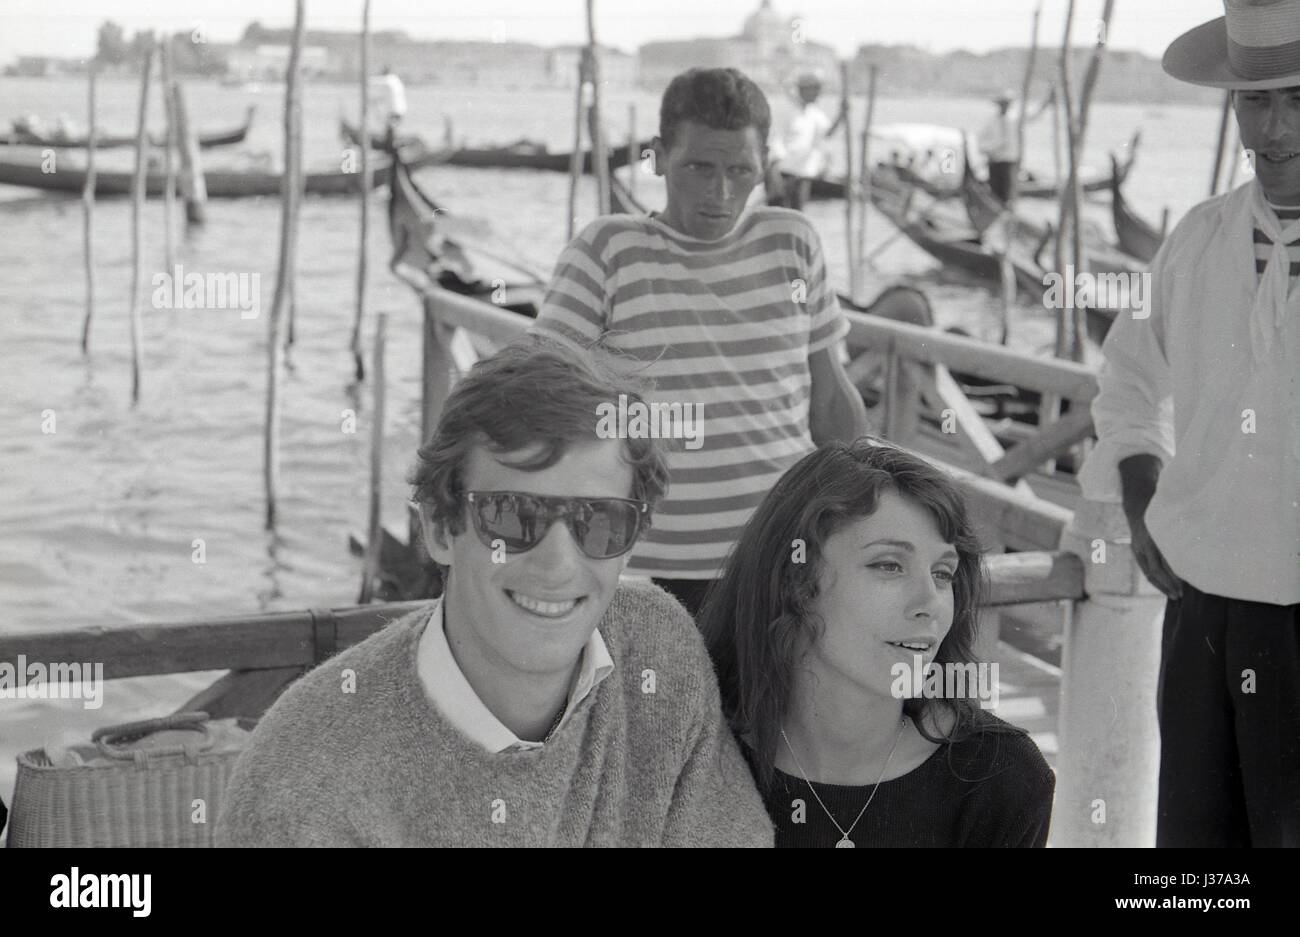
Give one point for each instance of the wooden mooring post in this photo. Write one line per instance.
(1108, 768)
(193, 186)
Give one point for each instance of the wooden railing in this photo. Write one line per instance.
(301, 639)
(264, 653)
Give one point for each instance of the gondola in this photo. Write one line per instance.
(1030, 187)
(827, 187)
(961, 249)
(523, 154)
(220, 183)
(1136, 236)
(20, 136)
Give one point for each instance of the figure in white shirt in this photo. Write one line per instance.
(389, 94)
(799, 152)
(1000, 144)
(1198, 424)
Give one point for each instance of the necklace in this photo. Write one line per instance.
(845, 842)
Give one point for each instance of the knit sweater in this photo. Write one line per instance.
(989, 789)
(645, 760)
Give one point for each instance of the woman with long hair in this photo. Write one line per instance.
(846, 607)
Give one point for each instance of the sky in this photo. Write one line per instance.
(67, 27)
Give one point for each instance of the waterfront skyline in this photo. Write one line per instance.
(67, 28)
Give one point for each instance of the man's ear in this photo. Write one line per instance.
(661, 155)
(436, 539)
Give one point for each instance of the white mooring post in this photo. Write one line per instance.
(1108, 768)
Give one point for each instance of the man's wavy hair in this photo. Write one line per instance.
(720, 98)
(532, 391)
(759, 618)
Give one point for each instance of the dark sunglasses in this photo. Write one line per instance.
(603, 528)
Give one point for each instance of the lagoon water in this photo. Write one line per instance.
(99, 519)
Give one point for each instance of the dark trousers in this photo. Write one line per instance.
(1002, 179)
(690, 592)
(1228, 702)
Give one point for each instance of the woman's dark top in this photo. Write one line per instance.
(990, 789)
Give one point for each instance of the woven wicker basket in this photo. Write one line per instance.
(135, 791)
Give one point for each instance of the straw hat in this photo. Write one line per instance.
(1254, 47)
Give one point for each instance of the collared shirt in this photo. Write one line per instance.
(389, 93)
(998, 139)
(1183, 385)
(448, 689)
(802, 146)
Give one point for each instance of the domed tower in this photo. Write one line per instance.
(768, 30)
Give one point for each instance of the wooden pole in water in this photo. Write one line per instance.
(599, 155)
(1223, 139)
(575, 157)
(169, 162)
(1024, 93)
(1056, 138)
(363, 193)
(139, 184)
(1007, 270)
(633, 154)
(375, 538)
(290, 197)
(1080, 251)
(193, 185)
(88, 209)
(864, 174)
(851, 183)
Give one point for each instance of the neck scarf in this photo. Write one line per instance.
(1268, 316)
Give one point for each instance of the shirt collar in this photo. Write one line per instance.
(446, 686)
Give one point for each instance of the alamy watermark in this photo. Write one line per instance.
(36, 680)
(1077, 290)
(181, 290)
(949, 680)
(90, 890)
(657, 420)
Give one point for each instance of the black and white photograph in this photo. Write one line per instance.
(605, 423)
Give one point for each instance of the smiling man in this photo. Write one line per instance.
(539, 702)
(1198, 418)
(728, 309)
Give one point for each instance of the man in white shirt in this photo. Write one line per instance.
(798, 154)
(389, 94)
(999, 141)
(1198, 419)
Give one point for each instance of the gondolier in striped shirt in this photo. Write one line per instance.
(730, 311)
(1198, 418)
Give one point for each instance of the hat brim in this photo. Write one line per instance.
(1200, 57)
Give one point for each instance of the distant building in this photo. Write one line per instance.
(270, 62)
(41, 66)
(617, 68)
(771, 49)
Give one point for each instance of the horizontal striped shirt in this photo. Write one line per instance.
(727, 325)
(1264, 244)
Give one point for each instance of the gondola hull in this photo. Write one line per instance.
(220, 183)
(230, 137)
(530, 156)
(1136, 236)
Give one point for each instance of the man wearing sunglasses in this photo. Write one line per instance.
(729, 309)
(540, 701)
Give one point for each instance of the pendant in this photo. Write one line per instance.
(846, 843)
